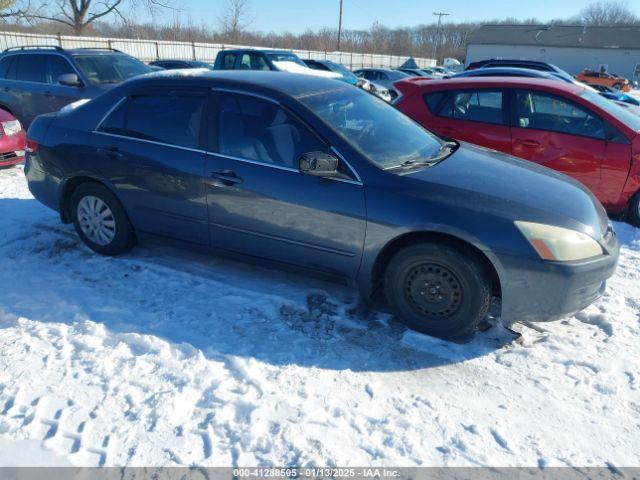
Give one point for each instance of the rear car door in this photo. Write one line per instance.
(476, 116)
(149, 148)
(259, 202)
(26, 81)
(560, 134)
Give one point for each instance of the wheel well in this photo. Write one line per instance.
(414, 238)
(67, 191)
(6, 109)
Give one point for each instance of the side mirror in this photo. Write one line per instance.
(319, 164)
(70, 80)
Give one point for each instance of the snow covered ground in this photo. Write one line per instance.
(162, 357)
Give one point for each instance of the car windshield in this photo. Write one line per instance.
(285, 57)
(380, 132)
(624, 115)
(341, 69)
(108, 69)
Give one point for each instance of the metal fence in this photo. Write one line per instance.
(149, 50)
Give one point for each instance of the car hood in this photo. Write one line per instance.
(475, 177)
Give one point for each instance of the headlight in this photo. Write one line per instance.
(559, 244)
(11, 127)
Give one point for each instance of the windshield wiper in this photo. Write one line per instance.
(446, 149)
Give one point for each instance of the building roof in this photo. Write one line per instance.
(578, 36)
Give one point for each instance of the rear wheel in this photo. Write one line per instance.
(438, 290)
(100, 220)
(633, 212)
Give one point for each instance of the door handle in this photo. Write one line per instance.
(111, 152)
(227, 177)
(528, 143)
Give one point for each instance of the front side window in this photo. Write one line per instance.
(174, 119)
(58, 66)
(32, 68)
(473, 105)
(255, 129)
(382, 134)
(5, 66)
(540, 111)
(110, 69)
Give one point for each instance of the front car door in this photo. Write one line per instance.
(560, 134)
(476, 116)
(150, 149)
(61, 95)
(259, 202)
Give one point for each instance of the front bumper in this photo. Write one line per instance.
(537, 291)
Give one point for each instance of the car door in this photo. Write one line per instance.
(60, 95)
(560, 134)
(476, 116)
(259, 202)
(149, 147)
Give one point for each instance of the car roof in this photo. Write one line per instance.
(290, 84)
(531, 71)
(498, 82)
(55, 49)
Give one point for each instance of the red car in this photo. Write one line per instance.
(12, 138)
(563, 126)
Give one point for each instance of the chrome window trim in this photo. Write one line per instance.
(162, 144)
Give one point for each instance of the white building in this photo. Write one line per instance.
(570, 47)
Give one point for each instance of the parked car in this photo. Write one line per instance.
(383, 76)
(277, 169)
(12, 138)
(512, 72)
(267, 60)
(35, 80)
(433, 72)
(616, 95)
(593, 77)
(416, 72)
(530, 64)
(345, 74)
(175, 64)
(563, 126)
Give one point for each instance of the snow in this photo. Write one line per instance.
(165, 357)
(293, 67)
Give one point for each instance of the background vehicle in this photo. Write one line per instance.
(175, 64)
(531, 64)
(12, 138)
(36, 80)
(563, 126)
(511, 72)
(267, 60)
(593, 77)
(432, 72)
(415, 72)
(383, 76)
(346, 75)
(277, 168)
(616, 95)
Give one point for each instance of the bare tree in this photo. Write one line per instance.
(11, 9)
(235, 19)
(78, 14)
(608, 13)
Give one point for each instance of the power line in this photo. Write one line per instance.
(340, 26)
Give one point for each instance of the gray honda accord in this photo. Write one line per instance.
(317, 175)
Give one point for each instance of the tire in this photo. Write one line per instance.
(100, 219)
(438, 290)
(633, 211)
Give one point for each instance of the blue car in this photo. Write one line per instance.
(318, 176)
(616, 95)
(513, 72)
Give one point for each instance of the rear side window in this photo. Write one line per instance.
(228, 61)
(434, 100)
(32, 68)
(5, 66)
(174, 119)
(473, 105)
(540, 111)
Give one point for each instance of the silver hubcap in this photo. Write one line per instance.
(96, 220)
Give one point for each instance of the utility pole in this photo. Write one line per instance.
(340, 26)
(435, 44)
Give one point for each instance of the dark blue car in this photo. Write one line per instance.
(321, 176)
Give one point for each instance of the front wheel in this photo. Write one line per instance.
(633, 212)
(438, 290)
(100, 220)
